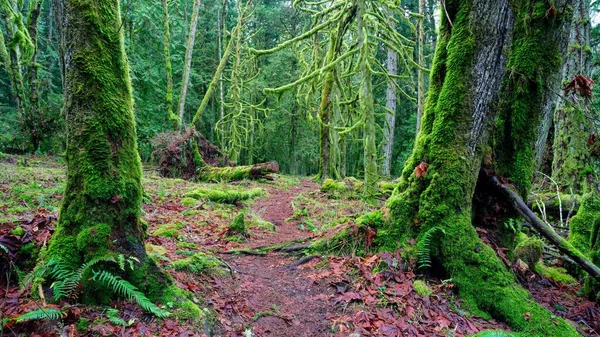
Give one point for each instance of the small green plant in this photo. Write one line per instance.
(67, 281)
(52, 314)
(424, 247)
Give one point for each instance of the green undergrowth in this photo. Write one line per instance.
(556, 274)
(351, 187)
(199, 263)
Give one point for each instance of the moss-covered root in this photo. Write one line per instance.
(227, 196)
(225, 174)
(487, 287)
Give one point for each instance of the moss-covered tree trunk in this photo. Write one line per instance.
(100, 212)
(390, 115)
(573, 167)
(484, 46)
(33, 120)
(168, 69)
(187, 67)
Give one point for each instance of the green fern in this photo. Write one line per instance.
(424, 247)
(39, 271)
(41, 313)
(113, 317)
(69, 280)
(128, 291)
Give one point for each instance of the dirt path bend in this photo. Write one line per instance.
(265, 296)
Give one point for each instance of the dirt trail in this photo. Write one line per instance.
(265, 296)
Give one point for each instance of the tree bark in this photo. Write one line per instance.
(100, 212)
(168, 68)
(390, 116)
(33, 120)
(483, 45)
(573, 166)
(189, 51)
(420, 73)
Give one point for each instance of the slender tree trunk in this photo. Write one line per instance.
(16, 71)
(325, 115)
(367, 108)
(33, 119)
(221, 25)
(482, 46)
(100, 212)
(390, 116)
(420, 73)
(168, 69)
(189, 51)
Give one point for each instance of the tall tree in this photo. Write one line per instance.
(420, 72)
(574, 168)
(189, 51)
(486, 49)
(168, 68)
(100, 212)
(390, 116)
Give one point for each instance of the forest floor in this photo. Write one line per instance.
(261, 292)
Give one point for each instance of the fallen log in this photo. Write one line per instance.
(545, 230)
(230, 173)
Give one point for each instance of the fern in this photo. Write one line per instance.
(112, 315)
(424, 247)
(41, 313)
(67, 284)
(128, 291)
(37, 272)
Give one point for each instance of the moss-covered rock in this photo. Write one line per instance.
(530, 251)
(237, 227)
(556, 274)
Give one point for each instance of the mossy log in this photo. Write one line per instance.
(257, 171)
(546, 231)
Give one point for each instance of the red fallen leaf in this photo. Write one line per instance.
(350, 296)
(388, 330)
(369, 236)
(421, 169)
(115, 198)
(551, 12)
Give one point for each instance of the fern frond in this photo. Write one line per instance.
(66, 286)
(424, 247)
(4, 248)
(128, 291)
(41, 313)
(37, 272)
(121, 261)
(113, 317)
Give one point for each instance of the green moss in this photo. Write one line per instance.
(582, 224)
(168, 230)
(18, 231)
(229, 195)
(497, 333)
(330, 185)
(238, 226)
(198, 263)
(189, 202)
(83, 324)
(558, 275)
(94, 241)
(421, 288)
(154, 249)
(529, 251)
(185, 245)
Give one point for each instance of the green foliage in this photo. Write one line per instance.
(226, 195)
(424, 246)
(496, 333)
(421, 288)
(41, 314)
(129, 292)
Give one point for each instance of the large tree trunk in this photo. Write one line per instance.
(482, 45)
(573, 167)
(100, 212)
